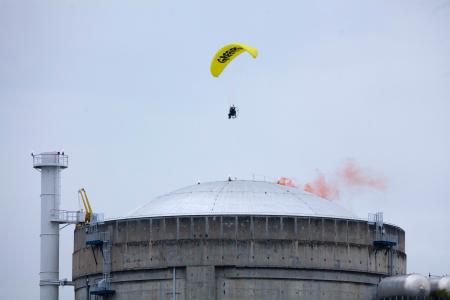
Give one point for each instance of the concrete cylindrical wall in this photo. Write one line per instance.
(240, 257)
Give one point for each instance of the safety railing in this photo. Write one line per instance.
(98, 218)
(102, 287)
(66, 216)
(376, 218)
(50, 159)
(380, 237)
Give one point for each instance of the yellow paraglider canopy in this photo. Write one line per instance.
(226, 54)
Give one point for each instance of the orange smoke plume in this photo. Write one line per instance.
(287, 182)
(354, 176)
(323, 188)
(350, 175)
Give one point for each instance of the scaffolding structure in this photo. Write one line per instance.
(382, 240)
(100, 240)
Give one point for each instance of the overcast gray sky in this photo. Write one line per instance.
(124, 88)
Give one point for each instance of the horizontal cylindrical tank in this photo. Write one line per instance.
(439, 284)
(412, 285)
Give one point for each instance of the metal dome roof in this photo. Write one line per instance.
(240, 197)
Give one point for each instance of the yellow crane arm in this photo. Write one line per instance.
(86, 204)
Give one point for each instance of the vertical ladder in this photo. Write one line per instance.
(107, 259)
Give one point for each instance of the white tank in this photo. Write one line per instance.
(440, 284)
(412, 285)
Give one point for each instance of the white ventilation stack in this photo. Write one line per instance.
(50, 165)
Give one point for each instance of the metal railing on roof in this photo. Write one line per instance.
(50, 159)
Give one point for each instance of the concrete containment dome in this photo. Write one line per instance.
(240, 197)
(236, 240)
